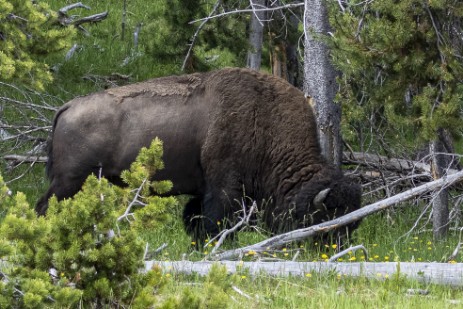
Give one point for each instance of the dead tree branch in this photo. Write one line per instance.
(91, 19)
(297, 235)
(65, 20)
(29, 159)
(346, 251)
(69, 7)
(195, 35)
(246, 217)
(391, 164)
(135, 202)
(251, 10)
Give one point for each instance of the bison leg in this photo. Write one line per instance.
(192, 218)
(206, 216)
(60, 190)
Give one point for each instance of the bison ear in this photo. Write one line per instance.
(320, 198)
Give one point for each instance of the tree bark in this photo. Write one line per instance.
(440, 204)
(320, 80)
(256, 33)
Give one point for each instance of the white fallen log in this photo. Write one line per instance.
(436, 273)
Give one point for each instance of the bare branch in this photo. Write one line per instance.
(195, 35)
(67, 8)
(246, 216)
(135, 201)
(252, 10)
(91, 19)
(346, 251)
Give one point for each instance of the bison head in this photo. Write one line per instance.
(320, 202)
(315, 201)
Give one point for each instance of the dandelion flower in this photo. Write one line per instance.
(334, 246)
(308, 275)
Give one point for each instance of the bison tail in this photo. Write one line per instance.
(49, 166)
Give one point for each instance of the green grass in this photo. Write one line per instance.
(322, 291)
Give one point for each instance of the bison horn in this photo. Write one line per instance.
(320, 198)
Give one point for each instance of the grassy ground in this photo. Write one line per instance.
(325, 291)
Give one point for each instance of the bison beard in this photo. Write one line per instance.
(226, 133)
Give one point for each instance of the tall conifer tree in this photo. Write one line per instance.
(403, 59)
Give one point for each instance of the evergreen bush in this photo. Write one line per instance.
(87, 249)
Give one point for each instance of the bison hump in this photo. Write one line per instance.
(164, 86)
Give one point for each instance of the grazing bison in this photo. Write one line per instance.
(226, 134)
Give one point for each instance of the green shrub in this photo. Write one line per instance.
(87, 249)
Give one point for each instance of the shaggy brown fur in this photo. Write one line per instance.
(226, 134)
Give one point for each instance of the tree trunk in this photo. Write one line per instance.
(440, 204)
(320, 80)
(256, 31)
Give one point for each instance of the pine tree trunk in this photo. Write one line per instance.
(440, 203)
(256, 31)
(320, 80)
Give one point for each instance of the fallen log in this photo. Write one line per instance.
(391, 164)
(281, 240)
(26, 158)
(437, 273)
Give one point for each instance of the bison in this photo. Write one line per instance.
(227, 134)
